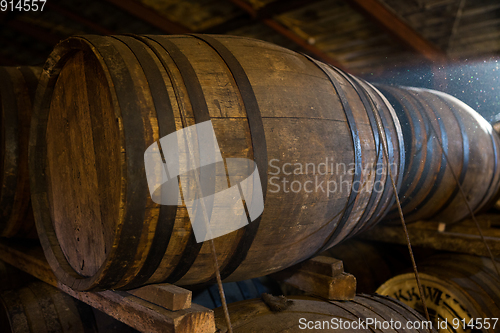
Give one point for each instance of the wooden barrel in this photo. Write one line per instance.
(442, 134)
(366, 313)
(456, 287)
(40, 308)
(104, 100)
(17, 91)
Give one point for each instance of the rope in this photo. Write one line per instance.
(403, 222)
(221, 289)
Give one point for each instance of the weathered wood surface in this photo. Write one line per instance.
(321, 276)
(17, 91)
(256, 316)
(138, 313)
(444, 138)
(93, 209)
(462, 237)
(455, 286)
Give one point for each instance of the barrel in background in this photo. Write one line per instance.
(455, 286)
(17, 91)
(443, 136)
(256, 315)
(104, 100)
(39, 308)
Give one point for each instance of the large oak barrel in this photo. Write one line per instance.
(40, 308)
(17, 91)
(456, 288)
(103, 101)
(366, 313)
(443, 136)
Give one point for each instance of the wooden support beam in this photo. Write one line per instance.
(378, 12)
(150, 16)
(461, 238)
(284, 31)
(77, 18)
(141, 314)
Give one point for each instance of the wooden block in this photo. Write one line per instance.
(324, 265)
(145, 316)
(165, 295)
(341, 287)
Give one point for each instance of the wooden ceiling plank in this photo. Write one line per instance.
(284, 31)
(375, 10)
(77, 18)
(150, 16)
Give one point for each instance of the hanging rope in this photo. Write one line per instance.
(385, 149)
(221, 289)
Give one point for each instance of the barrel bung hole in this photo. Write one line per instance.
(84, 167)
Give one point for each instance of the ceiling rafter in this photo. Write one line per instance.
(399, 29)
(150, 16)
(284, 31)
